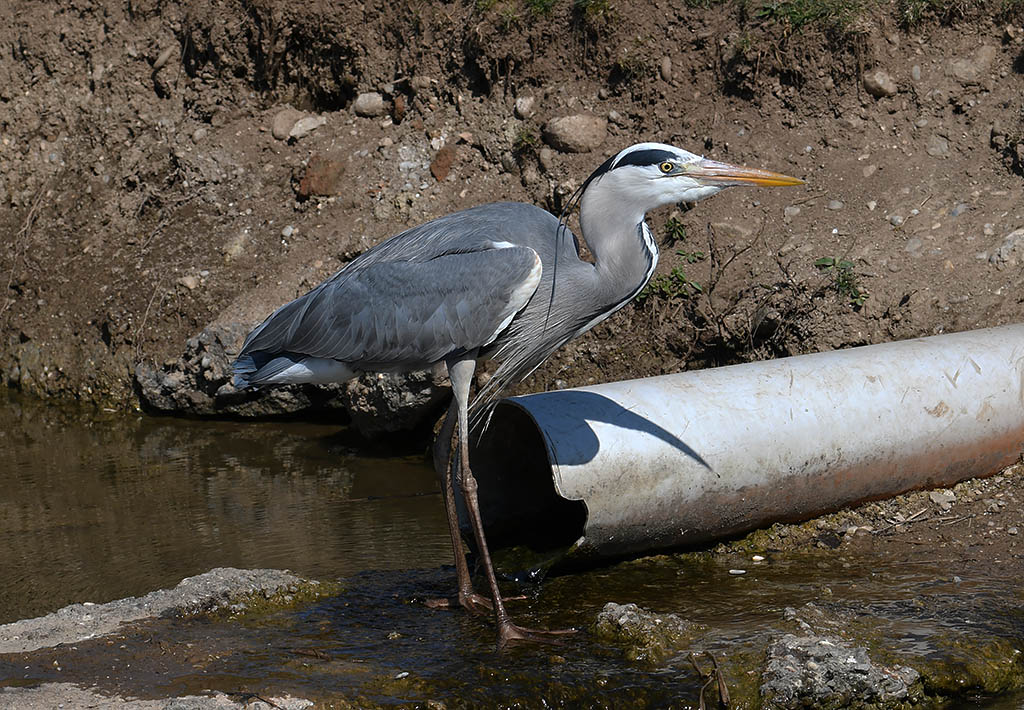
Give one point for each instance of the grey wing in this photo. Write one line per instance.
(405, 313)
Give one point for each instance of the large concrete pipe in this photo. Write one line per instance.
(639, 466)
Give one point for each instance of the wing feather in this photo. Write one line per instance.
(405, 313)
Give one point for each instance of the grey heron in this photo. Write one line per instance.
(502, 280)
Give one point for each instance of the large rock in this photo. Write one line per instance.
(199, 384)
(826, 673)
(579, 133)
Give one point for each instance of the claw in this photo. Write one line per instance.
(510, 633)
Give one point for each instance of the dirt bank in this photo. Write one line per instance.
(145, 194)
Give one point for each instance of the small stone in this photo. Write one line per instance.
(1012, 530)
(288, 231)
(190, 282)
(737, 572)
(398, 109)
(969, 70)
(790, 212)
(914, 245)
(524, 107)
(579, 133)
(896, 220)
(547, 159)
(959, 209)
(937, 147)
(665, 69)
(915, 73)
(869, 170)
(872, 204)
(617, 118)
(420, 82)
(199, 134)
(322, 177)
(834, 205)
(879, 84)
(368, 105)
(304, 126)
(281, 125)
(441, 165)
(942, 498)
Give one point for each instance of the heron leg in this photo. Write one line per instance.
(461, 374)
(444, 464)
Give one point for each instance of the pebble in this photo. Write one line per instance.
(937, 147)
(737, 572)
(304, 126)
(834, 205)
(959, 209)
(281, 124)
(199, 134)
(369, 104)
(288, 231)
(665, 69)
(896, 220)
(190, 282)
(914, 244)
(790, 212)
(524, 107)
(879, 84)
(579, 133)
(869, 170)
(872, 204)
(943, 499)
(915, 73)
(1012, 530)
(420, 82)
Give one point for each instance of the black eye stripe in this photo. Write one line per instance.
(652, 156)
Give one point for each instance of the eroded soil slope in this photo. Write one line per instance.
(144, 194)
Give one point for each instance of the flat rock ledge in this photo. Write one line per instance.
(212, 590)
(67, 695)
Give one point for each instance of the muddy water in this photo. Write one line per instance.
(98, 508)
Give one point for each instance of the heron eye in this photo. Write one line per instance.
(666, 167)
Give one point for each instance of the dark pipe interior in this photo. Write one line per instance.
(518, 500)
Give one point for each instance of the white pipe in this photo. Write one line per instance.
(683, 459)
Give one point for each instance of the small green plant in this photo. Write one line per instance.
(797, 13)
(674, 231)
(540, 7)
(485, 5)
(525, 142)
(674, 284)
(844, 278)
(595, 12)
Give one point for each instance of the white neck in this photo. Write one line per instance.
(611, 227)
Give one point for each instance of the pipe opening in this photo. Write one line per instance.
(518, 500)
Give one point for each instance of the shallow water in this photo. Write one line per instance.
(101, 507)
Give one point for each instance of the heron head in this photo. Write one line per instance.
(655, 174)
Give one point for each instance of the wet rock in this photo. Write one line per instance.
(879, 84)
(937, 147)
(199, 384)
(579, 133)
(206, 592)
(369, 105)
(969, 70)
(281, 125)
(306, 125)
(385, 403)
(825, 673)
(644, 635)
(1011, 251)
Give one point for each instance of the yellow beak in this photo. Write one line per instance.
(715, 173)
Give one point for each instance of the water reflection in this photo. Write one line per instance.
(98, 507)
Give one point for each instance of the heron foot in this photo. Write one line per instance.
(510, 633)
(472, 602)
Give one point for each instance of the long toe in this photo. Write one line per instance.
(509, 633)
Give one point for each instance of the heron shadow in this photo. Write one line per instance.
(566, 425)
